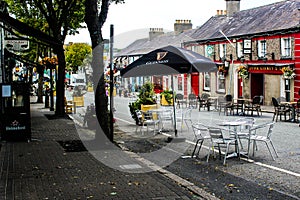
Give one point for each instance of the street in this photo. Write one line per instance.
(281, 175)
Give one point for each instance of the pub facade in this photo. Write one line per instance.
(257, 52)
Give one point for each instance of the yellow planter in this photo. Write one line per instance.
(164, 102)
(144, 108)
(79, 101)
(90, 89)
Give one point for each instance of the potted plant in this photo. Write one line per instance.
(243, 72)
(166, 98)
(146, 97)
(78, 97)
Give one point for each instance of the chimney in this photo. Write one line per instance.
(232, 6)
(221, 12)
(155, 32)
(182, 25)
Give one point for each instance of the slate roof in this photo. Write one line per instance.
(143, 46)
(276, 17)
(260, 20)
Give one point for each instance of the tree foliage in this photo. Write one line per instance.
(57, 18)
(75, 55)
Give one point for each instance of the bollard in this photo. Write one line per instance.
(74, 109)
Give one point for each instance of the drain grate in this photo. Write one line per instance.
(72, 145)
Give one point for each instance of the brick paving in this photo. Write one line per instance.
(42, 169)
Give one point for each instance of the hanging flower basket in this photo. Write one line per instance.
(288, 73)
(49, 62)
(222, 70)
(243, 72)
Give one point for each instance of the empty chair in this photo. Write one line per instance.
(179, 98)
(218, 140)
(147, 119)
(254, 105)
(243, 132)
(204, 101)
(201, 133)
(279, 109)
(225, 103)
(254, 137)
(192, 100)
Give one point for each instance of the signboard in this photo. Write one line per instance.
(247, 46)
(6, 90)
(16, 43)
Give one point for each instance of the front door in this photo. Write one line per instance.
(257, 85)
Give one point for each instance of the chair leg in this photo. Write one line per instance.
(274, 148)
(270, 151)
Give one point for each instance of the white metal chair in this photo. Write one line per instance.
(147, 119)
(254, 137)
(201, 133)
(218, 140)
(243, 132)
(165, 118)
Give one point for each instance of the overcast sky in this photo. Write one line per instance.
(135, 17)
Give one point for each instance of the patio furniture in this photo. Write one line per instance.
(254, 105)
(204, 101)
(147, 119)
(254, 137)
(225, 103)
(280, 109)
(179, 98)
(201, 133)
(243, 132)
(218, 140)
(192, 98)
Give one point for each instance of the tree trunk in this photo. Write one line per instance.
(40, 71)
(60, 86)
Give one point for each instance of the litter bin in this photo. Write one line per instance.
(15, 112)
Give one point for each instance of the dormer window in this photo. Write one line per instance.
(262, 48)
(286, 47)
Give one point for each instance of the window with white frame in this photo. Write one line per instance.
(220, 82)
(262, 48)
(222, 50)
(239, 49)
(180, 83)
(286, 47)
(206, 81)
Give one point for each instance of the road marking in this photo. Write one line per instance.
(245, 159)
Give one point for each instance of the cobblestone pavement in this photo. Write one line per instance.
(46, 169)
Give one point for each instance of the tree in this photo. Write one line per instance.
(75, 54)
(56, 18)
(95, 18)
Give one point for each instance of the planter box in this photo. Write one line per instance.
(164, 102)
(79, 101)
(90, 89)
(144, 108)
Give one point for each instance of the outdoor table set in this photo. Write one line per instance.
(230, 133)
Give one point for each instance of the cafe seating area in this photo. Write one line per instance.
(235, 137)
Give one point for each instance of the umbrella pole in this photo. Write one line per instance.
(174, 111)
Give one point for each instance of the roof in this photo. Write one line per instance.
(264, 19)
(143, 46)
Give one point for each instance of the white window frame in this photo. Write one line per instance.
(222, 50)
(286, 50)
(262, 48)
(220, 78)
(240, 49)
(206, 84)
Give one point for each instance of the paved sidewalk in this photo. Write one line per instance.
(43, 169)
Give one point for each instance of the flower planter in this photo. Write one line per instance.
(79, 101)
(164, 102)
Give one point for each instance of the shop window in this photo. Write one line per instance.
(262, 48)
(206, 81)
(220, 82)
(286, 47)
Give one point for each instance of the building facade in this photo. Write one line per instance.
(252, 48)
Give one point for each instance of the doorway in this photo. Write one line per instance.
(257, 85)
